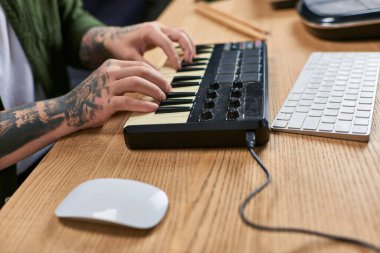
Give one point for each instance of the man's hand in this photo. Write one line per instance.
(130, 43)
(102, 94)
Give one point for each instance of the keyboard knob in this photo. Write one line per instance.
(235, 92)
(215, 85)
(211, 93)
(232, 114)
(234, 102)
(209, 103)
(238, 85)
(206, 115)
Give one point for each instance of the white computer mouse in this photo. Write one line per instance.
(119, 201)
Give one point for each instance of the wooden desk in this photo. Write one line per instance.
(324, 184)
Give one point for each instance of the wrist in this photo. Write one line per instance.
(94, 50)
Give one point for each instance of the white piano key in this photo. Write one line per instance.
(189, 105)
(190, 73)
(204, 55)
(185, 89)
(167, 71)
(153, 118)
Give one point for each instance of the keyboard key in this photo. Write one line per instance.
(347, 109)
(326, 127)
(315, 113)
(335, 99)
(343, 126)
(363, 114)
(323, 94)
(367, 88)
(302, 108)
(280, 116)
(319, 100)
(291, 103)
(345, 116)
(296, 120)
(305, 102)
(333, 106)
(280, 123)
(363, 107)
(359, 129)
(365, 101)
(287, 109)
(287, 116)
(328, 119)
(339, 88)
(311, 123)
(295, 97)
(310, 91)
(337, 93)
(308, 97)
(349, 103)
(361, 121)
(318, 106)
(364, 94)
(331, 112)
(351, 97)
(352, 91)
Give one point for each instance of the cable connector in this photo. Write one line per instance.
(250, 138)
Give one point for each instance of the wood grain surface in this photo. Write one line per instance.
(318, 183)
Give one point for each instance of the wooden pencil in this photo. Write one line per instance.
(237, 24)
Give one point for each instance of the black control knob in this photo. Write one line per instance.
(238, 84)
(211, 93)
(206, 115)
(234, 102)
(232, 114)
(235, 92)
(209, 103)
(215, 85)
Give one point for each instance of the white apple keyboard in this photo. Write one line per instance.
(334, 96)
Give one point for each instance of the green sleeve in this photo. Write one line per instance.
(75, 24)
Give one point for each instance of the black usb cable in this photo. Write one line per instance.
(251, 139)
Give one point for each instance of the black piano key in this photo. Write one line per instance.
(202, 51)
(203, 46)
(185, 64)
(190, 69)
(186, 78)
(184, 84)
(180, 94)
(199, 46)
(176, 101)
(197, 59)
(173, 109)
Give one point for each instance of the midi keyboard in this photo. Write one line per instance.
(215, 100)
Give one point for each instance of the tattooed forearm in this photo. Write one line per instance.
(93, 51)
(23, 124)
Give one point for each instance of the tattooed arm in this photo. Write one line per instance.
(28, 128)
(131, 42)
